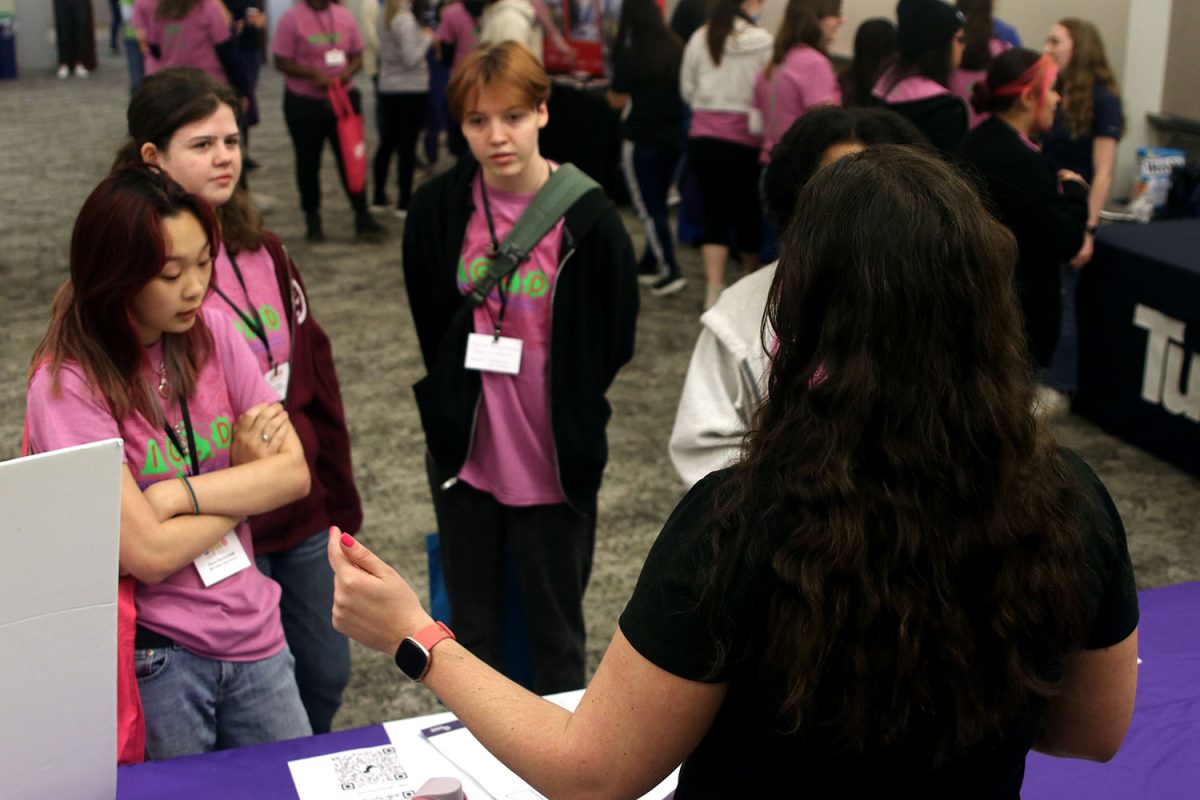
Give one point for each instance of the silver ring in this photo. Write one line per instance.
(266, 437)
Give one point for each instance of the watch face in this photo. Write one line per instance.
(412, 659)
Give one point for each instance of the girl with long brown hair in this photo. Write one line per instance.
(131, 352)
(901, 588)
(186, 123)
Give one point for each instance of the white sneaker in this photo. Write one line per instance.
(669, 284)
(1050, 403)
(63, 72)
(80, 71)
(400, 213)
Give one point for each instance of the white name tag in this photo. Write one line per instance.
(226, 557)
(335, 58)
(278, 378)
(486, 353)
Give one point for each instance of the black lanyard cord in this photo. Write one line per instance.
(250, 316)
(190, 454)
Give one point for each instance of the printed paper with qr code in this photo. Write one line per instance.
(371, 773)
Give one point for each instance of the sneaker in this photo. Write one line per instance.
(366, 229)
(380, 205)
(400, 213)
(674, 198)
(669, 284)
(1050, 403)
(63, 72)
(80, 71)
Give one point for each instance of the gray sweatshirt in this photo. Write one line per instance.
(402, 48)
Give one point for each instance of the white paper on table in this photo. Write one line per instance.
(58, 622)
(460, 746)
(366, 773)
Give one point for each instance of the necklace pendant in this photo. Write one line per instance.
(164, 388)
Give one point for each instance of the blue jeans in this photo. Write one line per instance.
(649, 169)
(306, 608)
(195, 704)
(136, 64)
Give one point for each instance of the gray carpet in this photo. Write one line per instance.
(57, 139)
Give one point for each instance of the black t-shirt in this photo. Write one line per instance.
(745, 753)
(656, 115)
(1076, 153)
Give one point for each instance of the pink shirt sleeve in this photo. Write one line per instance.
(247, 386)
(285, 44)
(73, 415)
(215, 23)
(824, 87)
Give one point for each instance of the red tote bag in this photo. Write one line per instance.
(131, 723)
(351, 138)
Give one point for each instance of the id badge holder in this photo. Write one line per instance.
(278, 378)
(225, 558)
(500, 354)
(335, 58)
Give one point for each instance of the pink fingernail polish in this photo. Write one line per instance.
(347, 541)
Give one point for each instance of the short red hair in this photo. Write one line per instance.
(508, 66)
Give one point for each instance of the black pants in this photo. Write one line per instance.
(552, 546)
(72, 27)
(728, 176)
(401, 117)
(310, 122)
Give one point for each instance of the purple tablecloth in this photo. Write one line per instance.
(1160, 758)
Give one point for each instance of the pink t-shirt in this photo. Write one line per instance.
(803, 81)
(256, 296)
(907, 90)
(513, 455)
(731, 126)
(305, 36)
(963, 80)
(143, 16)
(191, 41)
(236, 619)
(458, 28)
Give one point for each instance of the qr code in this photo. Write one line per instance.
(362, 769)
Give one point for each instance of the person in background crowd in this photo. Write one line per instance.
(457, 35)
(1005, 33)
(261, 296)
(918, 86)
(799, 75)
(1045, 208)
(191, 33)
(74, 36)
(403, 93)
(511, 20)
(134, 62)
(1087, 128)
(687, 17)
(900, 589)
(875, 48)
(318, 42)
(130, 353)
(515, 460)
(727, 376)
(646, 59)
(720, 63)
(250, 26)
(982, 45)
(114, 25)
(1090, 121)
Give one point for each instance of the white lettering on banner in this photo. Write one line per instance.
(1165, 359)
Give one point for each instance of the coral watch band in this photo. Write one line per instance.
(431, 634)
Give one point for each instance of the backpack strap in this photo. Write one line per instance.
(566, 185)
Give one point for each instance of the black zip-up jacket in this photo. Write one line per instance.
(593, 321)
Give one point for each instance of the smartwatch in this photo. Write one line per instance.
(412, 656)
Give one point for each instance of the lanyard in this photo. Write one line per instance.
(252, 320)
(491, 251)
(190, 451)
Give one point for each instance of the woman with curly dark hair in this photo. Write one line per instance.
(901, 588)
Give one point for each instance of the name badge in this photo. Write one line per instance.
(486, 353)
(278, 378)
(226, 557)
(335, 58)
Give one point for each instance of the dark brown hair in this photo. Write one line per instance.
(721, 14)
(508, 65)
(978, 29)
(801, 25)
(117, 247)
(164, 103)
(645, 39)
(921, 547)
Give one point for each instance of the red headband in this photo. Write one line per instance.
(1045, 67)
